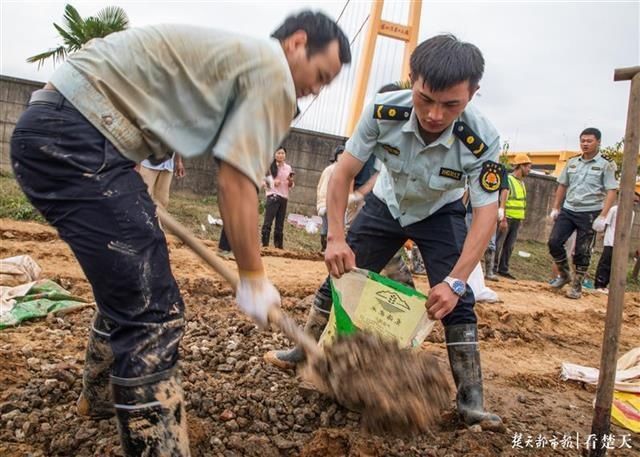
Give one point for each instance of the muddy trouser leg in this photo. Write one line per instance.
(585, 238)
(375, 236)
(603, 271)
(270, 211)
(96, 400)
(440, 238)
(100, 206)
(560, 233)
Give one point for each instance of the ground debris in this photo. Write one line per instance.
(396, 390)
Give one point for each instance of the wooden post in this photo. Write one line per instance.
(601, 424)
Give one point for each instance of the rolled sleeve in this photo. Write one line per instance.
(610, 182)
(365, 137)
(564, 177)
(478, 196)
(254, 128)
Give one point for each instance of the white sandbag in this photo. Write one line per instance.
(18, 270)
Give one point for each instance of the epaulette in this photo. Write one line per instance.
(391, 112)
(607, 157)
(470, 139)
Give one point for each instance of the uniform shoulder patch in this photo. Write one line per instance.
(391, 112)
(390, 149)
(490, 176)
(470, 139)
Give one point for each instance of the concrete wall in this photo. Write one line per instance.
(308, 153)
(14, 95)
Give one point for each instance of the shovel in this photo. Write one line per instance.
(283, 322)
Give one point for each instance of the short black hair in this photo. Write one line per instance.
(592, 131)
(321, 31)
(444, 61)
(339, 150)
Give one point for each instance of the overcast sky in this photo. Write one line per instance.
(549, 65)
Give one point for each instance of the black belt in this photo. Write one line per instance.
(48, 96)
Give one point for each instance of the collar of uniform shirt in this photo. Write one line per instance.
(445, 139)
(595, 157)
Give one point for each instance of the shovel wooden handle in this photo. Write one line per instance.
(283, 322)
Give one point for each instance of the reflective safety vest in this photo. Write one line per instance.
(517, 202)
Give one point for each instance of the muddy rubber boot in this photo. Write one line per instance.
(151, 415)
(489, 260)
(576, 286)
(464, 358)
(398, 270)
(288, 359)
(565, 274)
(95, 400)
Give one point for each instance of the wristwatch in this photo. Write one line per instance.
(458, 286)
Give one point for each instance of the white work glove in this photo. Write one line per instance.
(500, 214)
(554, 214)
(355, 198)
(599, 224)
(255, 295)
(322, 211)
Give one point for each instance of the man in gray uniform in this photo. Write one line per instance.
(589, 184)
(144, 93)
(431, 142)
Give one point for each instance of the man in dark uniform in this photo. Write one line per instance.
(589, 184)
(431, 143)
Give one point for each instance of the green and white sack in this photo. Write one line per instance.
(364, 300)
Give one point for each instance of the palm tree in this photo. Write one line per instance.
(78, 31)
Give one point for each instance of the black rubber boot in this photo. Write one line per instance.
(464, 357)
(316, 322)
(152, 420)
(564, 276)
(95, 400)
(323, 242)
(489, 261)
(576, 285)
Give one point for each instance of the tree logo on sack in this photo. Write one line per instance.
(391, 301)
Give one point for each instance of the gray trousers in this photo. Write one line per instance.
(505, 243)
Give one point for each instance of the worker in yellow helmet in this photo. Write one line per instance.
(515, 212)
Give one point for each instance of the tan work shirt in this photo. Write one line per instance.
(157, 89)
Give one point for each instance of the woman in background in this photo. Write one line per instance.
(277, 185)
